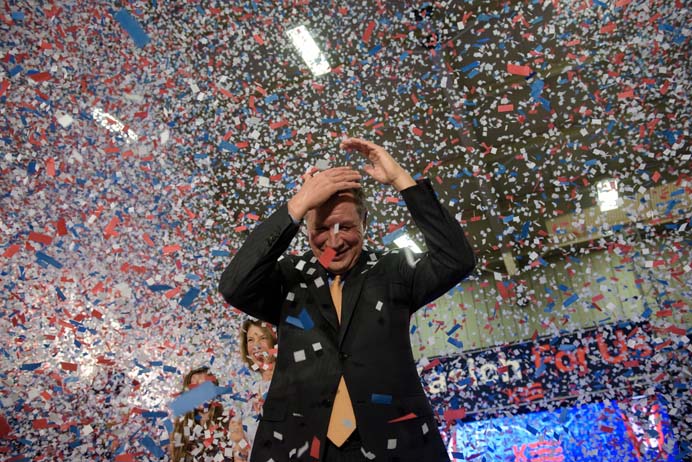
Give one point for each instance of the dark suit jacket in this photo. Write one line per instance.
(371, 348)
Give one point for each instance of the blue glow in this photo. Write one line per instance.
(611, 431)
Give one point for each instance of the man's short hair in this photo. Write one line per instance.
(358, 199)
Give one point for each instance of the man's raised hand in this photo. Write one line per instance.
(318, 186)
(382, 166)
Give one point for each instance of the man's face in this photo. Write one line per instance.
(336, 224)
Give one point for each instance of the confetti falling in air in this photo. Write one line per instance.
(139, 147)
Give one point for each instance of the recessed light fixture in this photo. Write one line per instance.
(607, 191)
(309, 50)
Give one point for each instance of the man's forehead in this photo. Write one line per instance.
(336, 204)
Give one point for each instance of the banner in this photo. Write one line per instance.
(609, 357)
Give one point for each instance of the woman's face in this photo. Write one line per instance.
(259, 344)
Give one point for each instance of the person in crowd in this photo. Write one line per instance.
(258, 351)
(201, 434)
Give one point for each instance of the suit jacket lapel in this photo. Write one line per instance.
(351, 294)
(320, 290)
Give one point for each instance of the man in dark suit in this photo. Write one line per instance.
(345, 387)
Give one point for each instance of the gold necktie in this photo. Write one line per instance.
(342, 421)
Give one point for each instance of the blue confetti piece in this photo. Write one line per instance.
(373, 51)
(61, 295)
(381, 399)
(159, 287)
(132, 27)
(168, 425)
(573, 298)
(453, 329)
(292, 320)
(30, 366)
(15, 70)
(306, 320)
(189, 297)
(221, 253)
(154, 448)
(193, 398)
(468, 67)
(43, 258)
(539, 371)
(455, 342)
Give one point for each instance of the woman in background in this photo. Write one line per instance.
(258, 351)
(187, 441)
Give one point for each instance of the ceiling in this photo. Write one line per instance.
(514, 109)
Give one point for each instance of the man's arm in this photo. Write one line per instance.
(449, 258)
(252, 281)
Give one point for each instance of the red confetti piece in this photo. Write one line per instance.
(39, 424)
(172, 292)
(408, 416)
(629, 93)
(608, 28)
(147, 239)
(50, 167)
(125, 458)
(4, 427)
(4, 86)
(505, 107)
(368, 31)
(110, 228)
(518, 70)
(40, 76)
(327, 257)
(454, 414)
(39, 237)
(168, 249)
(11, 250)
(315, 448)
(416, 131)
(68, 366)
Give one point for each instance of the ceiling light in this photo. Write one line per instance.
(309, 50)
(607, 191)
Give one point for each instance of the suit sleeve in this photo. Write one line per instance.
(253, 281)
(449, 258)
